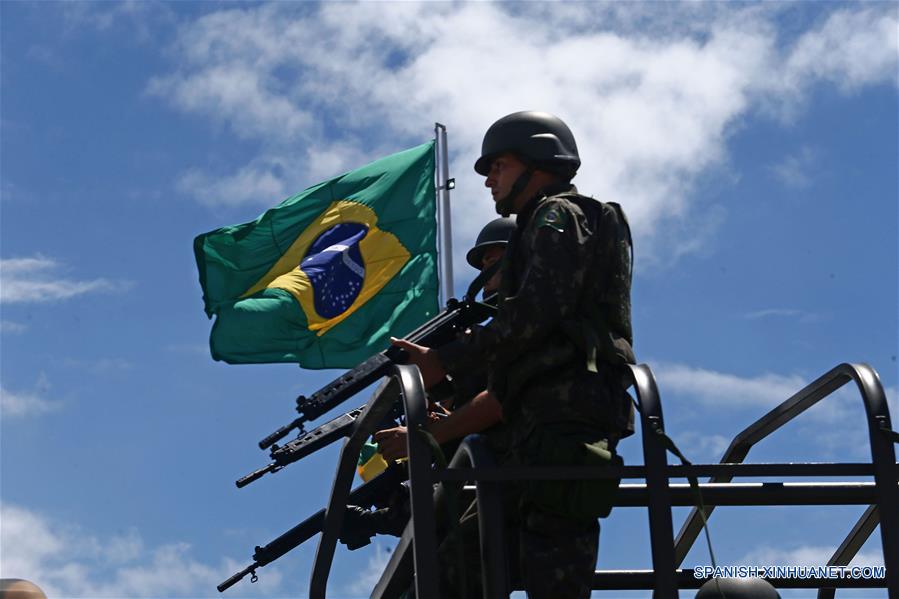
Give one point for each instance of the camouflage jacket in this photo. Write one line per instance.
(562, 331)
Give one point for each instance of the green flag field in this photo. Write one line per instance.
(327, 276)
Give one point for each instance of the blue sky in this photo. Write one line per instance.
(753, 146)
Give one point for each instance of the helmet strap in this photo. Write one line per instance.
(505, 204)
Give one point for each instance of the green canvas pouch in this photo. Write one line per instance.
(577, 499)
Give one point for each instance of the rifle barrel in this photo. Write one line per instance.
(244, 481)
(236, 578)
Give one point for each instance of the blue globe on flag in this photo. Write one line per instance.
(335, 268)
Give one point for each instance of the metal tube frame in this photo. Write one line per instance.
(406, 382)
(883, 456)
(491, 522)
(661, 531)
(760, 493)
(507, 473)
(398, 575)
(657, 495)
(851, 545)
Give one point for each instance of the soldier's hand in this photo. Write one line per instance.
(436, 412)
(425, 358)
(437, 409)
(391, 442)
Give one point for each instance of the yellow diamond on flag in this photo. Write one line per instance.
(338, 263)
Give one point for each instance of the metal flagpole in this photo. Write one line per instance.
(444, 226)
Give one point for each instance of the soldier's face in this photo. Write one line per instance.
(491, 256)
(504, 171)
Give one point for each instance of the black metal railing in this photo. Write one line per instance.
(883, 465)
(404, 382)
(414, 561)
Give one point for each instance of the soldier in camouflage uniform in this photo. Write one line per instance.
(457, 395)
(556, 351)
(472, 410)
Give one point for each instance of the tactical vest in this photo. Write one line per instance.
(605, 333)
(596, 338)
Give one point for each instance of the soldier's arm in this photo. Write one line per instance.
(479, 414)
(459, 358)
(482, 412)
(430, 366)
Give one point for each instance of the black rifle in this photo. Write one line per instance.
(295, 450)
(365, 495)
(456, 317)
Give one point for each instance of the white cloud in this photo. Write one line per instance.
(8, 326)
(836, 425)
(710, 387)
(100, 366)
(804, 555)
(851, 49)
(796, 171)
(800, 315)
(251, 184)
(368, 578)
(771, 312)
(34, 279)
(701, 448)
(67, 561)
(713, 388)
(652, 95)
(138, 17)
(16, 404)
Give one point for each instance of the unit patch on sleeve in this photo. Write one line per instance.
(554, 217)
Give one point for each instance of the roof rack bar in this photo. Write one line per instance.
(491, 519)
(757, 493)
(375, 411)
(851, 544)
(397, 577)
(508, 473)
(403, 382)
(661, 529)
(882, 453)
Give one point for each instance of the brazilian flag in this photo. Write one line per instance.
(325, 277)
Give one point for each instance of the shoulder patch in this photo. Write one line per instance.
(554, 217)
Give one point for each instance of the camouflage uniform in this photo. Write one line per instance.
(555, 353)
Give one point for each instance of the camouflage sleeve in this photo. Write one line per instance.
(461, 356)
(548, 290)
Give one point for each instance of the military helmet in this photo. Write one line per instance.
(496, 232)
(737, 588)
(539, 137)
(17, 588)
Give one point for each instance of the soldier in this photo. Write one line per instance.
(466, 415)
(557, 350)
(473, 410)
